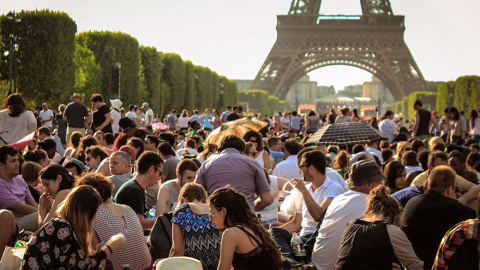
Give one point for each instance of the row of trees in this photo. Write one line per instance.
(463, 93)
(53, 61)
(405, 106)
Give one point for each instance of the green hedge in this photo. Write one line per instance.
(274, 104)
(257, 100)
(44, 57)
(467, 93)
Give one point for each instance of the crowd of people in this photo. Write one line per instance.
(94, 186)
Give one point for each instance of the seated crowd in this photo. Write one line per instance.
(106, 199)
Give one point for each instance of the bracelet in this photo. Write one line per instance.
(109, 248)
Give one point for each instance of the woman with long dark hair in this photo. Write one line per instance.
(57, 182)
(66, 241)
(261, 156)
(475, 125)
(395, 172)
(246, 244)
(16, 119)
(459, 127)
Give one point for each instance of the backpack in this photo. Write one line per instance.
(160, 239)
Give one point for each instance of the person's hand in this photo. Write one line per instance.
(275, 224)
(116, 242)
(299, 184)
(46, 201)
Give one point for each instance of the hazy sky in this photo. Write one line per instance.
(234, 37)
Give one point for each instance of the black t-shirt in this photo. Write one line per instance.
(232, 117)
(75, 113)
(133, 195)
(99, 118)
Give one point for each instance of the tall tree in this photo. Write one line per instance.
(44, 54)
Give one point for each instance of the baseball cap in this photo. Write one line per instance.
(145, 104)
(364, 172)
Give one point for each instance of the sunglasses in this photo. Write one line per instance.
(304, 165)
(253, 141)
(88, 159)
(157, 170)
(408, 149)
(253, 153)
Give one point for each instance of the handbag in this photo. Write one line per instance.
(12, 258)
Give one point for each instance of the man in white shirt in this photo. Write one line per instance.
(288, 168)
(46, 116)
(365, 175)
(148, 115)
(372, 148)
(388, 126)
(317, 196)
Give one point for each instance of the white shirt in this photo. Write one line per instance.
(131, 115)
(271, 211)
(388, 128)
(44, 115)
(115, 119)
(147, 120)
(288, 168)
(329, 189)
(375, 152)
(343, 209)
(335, 176)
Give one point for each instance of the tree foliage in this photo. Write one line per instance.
(110, 48)
(467, 93)
(174, 77)
(152, 73)
(87, 72)
(190, 94)
(257, 100)
(44, 57)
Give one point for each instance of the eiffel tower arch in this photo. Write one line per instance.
(372, 41)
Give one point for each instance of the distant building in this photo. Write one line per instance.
(378, 92)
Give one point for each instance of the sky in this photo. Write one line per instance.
(234, 37)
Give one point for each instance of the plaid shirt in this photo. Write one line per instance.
(453, 239)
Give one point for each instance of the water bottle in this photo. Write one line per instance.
(297, 247)
(151, 213)
(126, 267)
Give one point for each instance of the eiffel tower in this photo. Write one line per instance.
(372, 41)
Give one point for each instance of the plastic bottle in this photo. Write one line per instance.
(126, 267)
(297, 247)
(151, 213)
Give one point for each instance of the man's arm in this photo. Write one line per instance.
(265, 200)
(315, 210)
(162, 199)
(417, 122)
(472, 192)
(108, 119)
(147, 224)
(294, 224)
(24, 208)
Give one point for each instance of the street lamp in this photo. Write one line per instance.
(12, 16)
(220, 104)
(118, 66)
(107, 50)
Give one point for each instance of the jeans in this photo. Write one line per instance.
(283, 237)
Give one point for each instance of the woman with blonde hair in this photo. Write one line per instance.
(191, 226)
(374, 241)
(65, 241)
(113, 219)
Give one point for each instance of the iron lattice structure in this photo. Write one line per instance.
(372, 41)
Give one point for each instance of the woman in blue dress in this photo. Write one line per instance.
(193, 234)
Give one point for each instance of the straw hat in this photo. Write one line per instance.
(76, 95)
